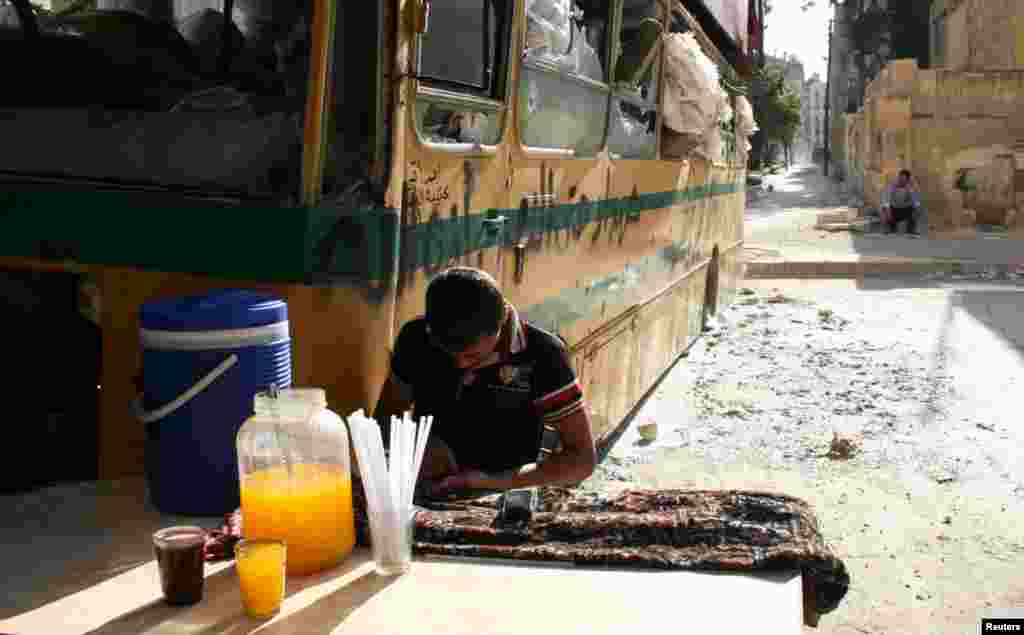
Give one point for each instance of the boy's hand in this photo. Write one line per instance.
(465, 480)
(438, 461)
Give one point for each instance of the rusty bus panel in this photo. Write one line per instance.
(601, 370)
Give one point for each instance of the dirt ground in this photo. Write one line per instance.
(892, 405)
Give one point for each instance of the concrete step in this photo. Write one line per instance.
(853, 267)
(832, 218)
(861, 226)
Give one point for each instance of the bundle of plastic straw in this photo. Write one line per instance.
(389, 483)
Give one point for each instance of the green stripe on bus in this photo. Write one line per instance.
(279, 244)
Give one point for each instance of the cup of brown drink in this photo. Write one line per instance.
(179, 556)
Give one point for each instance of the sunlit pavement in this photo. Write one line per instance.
(930, 518)
(800, 187)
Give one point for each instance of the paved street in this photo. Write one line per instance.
(802, 187)
(920, 375)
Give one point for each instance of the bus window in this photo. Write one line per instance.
(9, 16)
(158, 94)
(563, 91)
(632, 128)
(461, 44)
(443, 123)
(462, 67)
(356, 148)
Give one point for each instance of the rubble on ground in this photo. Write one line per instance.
(842, 447)
(781, 376)
(801, 384)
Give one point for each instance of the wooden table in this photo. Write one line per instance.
(89, 569)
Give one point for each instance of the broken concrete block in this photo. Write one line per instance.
(966, 218)
(648, 431)
(856, 226)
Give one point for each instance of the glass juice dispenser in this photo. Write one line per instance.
(296, 486)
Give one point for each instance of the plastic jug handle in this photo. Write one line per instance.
(187, 396)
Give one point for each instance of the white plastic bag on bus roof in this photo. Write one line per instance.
(692, 97)
(746, 125)
(9, 17)
(555, 12)
(628, 135)
(712, 147)
(553, 38)
(549, 32)
(727, 114)
(588, 63)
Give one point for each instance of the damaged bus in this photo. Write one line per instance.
(339, 154)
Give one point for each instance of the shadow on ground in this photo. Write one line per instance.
(997, 305)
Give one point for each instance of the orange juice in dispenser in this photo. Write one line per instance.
(296, 486)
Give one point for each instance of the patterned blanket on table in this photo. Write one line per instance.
(720, 530)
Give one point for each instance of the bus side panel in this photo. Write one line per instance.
(665, 303)
(612, 255)
(448, 204)
(621, 277)
(731, 210)
(590, 254)
(602, 365)
(557, 219)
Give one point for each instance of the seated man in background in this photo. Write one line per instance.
(900, 202)
(492, 382)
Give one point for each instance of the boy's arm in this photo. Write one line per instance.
(397, 394)
(575, 463)
(395, 398)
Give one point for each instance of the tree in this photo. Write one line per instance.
(789, 121)
(776, 109)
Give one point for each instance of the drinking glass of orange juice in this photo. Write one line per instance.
(261, 565)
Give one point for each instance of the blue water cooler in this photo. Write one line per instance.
(204, 358)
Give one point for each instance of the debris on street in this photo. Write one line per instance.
(842, 447)
(778, 298)
(804, 383)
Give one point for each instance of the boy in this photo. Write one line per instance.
(492, 382)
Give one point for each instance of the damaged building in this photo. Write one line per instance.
(951, 120)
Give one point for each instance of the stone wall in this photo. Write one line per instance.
(940, 124)
(981, 34)
(854, 129)
(837, 147)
